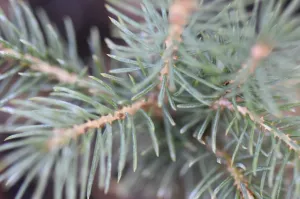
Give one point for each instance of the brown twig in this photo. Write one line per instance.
(179, 14)
(63, 135)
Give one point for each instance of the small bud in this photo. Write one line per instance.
(260, 51)
(178, 14)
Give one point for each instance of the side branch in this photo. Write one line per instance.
(56, 72)
(63, 135)
(225, 103)
(236, 174)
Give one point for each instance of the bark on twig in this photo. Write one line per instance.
(63, 135)
(38, 65)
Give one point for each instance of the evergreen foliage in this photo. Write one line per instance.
(201, 101)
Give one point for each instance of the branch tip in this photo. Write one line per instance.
(260, 51)
(179, 14)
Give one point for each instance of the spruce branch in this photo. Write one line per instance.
(225, 34)
(179, 14)
(52, 71)
(38, 65)
(63, 135)
(225, 103)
